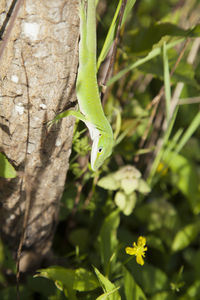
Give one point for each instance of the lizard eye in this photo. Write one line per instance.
(100, 149)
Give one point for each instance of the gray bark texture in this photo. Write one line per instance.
(38, 65)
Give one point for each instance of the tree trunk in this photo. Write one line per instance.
(38, 65)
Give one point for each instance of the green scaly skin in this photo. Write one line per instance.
(91, 111)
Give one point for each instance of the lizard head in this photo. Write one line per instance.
(101, 149)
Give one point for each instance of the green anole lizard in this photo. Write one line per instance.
(91, 111)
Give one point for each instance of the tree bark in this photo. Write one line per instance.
(38, 65)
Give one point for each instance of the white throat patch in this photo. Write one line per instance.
(95, 134)
(94, 151)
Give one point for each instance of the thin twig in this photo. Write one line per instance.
(174, 103)
(116, 41)
(87, 201)
(191, 100)
(112, 53)
(27, 185)
(14, 9)
(157, 99)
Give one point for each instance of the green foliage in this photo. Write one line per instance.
(108, 241)
(127, 180)
(69, 280)
(109, 38)
(132, 290)
(10, 293)
(81, 146)
(153, 53)
(6, 169)
(109, 288)
(6, 263)
(112, 30)
(144, 39)
(152, 279)
(185, 178)
(185, 236)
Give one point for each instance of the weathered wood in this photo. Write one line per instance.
(37, 79)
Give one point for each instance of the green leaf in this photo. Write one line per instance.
(129, 185)
(129, 6)
(105, 296)
(195, 31)
(46, 288)
(120, 200)
(127, 178)
(166, 82)
(144, 39)
(188, 133)
(63, 279)
(127, 172)
(158, 214)
(153, 53)
(193, 290)
(155, 243)
(132, 290)
(184, 71)
(70, 280)
(6, 169)
(185, 236)
(164, 296)
(192, 257)
(109, 38)
(108, 238)
(191, 149)
(111, 33)
(184, 177)
(109, 183)
(150, 278)
(84, 280)
(143, 187)
(126, 203)
(107, 286)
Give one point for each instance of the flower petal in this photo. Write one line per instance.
(141, 241)
(140, 260)
(130, 251)
(138, 250)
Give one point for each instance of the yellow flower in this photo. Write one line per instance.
(162, 169)
(138, 250)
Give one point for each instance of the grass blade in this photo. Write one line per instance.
(188, 133)
(166, 82)
(110, 37)
(160, 154)
(111, 32)
(153, 53)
